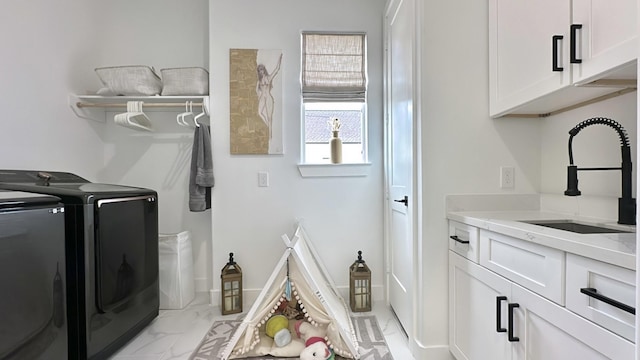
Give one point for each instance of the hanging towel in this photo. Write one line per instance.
(201, 177)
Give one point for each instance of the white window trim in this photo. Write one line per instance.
(335, 170)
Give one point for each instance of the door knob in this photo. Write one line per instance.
(405, 200)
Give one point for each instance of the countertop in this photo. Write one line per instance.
(613, 248)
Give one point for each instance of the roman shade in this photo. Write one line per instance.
(334, 67)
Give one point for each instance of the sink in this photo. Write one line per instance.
(576, 227)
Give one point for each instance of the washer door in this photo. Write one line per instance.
(32, 277)
(126, 249)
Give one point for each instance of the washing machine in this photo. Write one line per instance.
(111, 242)
(32, 277)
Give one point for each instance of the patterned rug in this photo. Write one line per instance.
(370, 338)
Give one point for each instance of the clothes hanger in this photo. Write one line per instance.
(203, 113)
(137, 119)
(188, 111)
(134, 118)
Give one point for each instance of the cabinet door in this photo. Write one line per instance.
(473, 311)
(550, 332)
(607, 39)
(521, 48)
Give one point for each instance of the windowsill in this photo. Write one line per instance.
(334, 170)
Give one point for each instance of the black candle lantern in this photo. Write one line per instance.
(231, 288)
(359, 285)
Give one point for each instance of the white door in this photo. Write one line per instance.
(400, 32)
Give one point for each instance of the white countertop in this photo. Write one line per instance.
(614, 248)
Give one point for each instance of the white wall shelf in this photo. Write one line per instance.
(95, 107)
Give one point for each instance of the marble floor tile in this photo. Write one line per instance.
(174, 334)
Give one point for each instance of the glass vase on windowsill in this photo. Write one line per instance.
(335, 142)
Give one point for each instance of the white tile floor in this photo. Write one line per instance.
(174, 334)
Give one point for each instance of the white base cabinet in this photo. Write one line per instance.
(491, 317)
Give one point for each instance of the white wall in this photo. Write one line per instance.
(44, 43)
(341, 215)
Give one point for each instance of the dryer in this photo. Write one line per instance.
(112, 257)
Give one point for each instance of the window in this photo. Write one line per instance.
(334, 82)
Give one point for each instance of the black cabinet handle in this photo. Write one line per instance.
(555, 40)
(510, 333)
(573, 58)
(456, 238)
(499, 300)
(594, 294)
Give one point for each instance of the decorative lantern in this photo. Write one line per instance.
(360, 285)
(231, 288)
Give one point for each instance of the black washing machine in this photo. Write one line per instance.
(33, 321)
(111, 257)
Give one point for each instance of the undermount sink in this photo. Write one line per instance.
(576, 227)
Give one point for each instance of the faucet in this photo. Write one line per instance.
(626, 204)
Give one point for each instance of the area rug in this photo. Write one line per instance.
(370, 339)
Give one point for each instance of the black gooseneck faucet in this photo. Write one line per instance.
(626, 203)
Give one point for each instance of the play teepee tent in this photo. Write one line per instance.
(301, 277)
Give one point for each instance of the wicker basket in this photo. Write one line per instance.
(130, 80)
(185, 81)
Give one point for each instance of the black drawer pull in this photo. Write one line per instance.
(499, 300)
(594, 294)
(510, 333)
(555, 40)
(456, 238)
(572, 39)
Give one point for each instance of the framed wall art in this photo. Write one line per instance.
(255, 90)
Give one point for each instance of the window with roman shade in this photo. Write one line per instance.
(334, 85)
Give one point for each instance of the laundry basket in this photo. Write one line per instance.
(177, 288)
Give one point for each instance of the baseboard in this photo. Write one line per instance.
(438, 352)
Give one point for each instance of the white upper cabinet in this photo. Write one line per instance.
(606, 34)
(531, 48)
(520, 50)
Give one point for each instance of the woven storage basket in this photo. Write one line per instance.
(185, 81)
(130, 80)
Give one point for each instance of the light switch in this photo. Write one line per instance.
(263, 179)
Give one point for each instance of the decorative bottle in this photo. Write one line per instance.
(335, 142)
(336, 148)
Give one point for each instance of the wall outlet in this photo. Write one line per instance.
(263, 179)
(507, 177)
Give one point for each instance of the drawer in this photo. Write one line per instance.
(610, 281)
(463, 240)
(533, 266)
